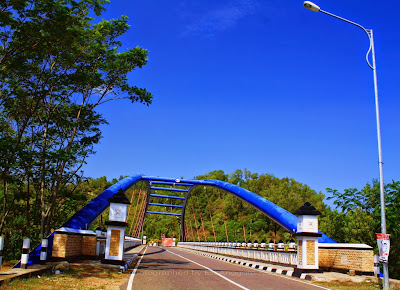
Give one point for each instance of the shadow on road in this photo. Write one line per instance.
(155, 252)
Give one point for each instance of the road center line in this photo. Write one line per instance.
(211, 270)
(134, 271)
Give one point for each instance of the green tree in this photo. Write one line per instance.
(359, 218)
(56, 67)
(216, 174)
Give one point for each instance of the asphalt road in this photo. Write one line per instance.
(174, 268)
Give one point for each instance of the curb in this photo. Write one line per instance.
(125, 267)
(255, 265)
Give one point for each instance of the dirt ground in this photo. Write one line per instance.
(80, 276)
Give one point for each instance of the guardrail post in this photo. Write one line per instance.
(25, 253)
(99, 233)
(377, 270)
(1, 250)
(280, 245)
(43, 251)
(271, 245)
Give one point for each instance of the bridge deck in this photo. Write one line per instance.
(174, 268)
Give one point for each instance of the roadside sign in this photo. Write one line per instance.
(384, 247)
(167, 242)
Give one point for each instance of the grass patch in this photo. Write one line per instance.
(80, 276)
(350, 285)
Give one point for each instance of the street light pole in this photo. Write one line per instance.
(313, 7)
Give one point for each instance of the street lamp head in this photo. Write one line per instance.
(311, 6)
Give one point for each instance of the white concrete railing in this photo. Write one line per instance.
(131, 242)
(244, 251)
(284, 258)
(274, 257)
(293, 259)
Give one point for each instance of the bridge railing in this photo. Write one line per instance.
(131, 242)
(248, 251)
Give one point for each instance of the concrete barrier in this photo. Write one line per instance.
(244, 251)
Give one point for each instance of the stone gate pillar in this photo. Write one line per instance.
(116, 229)
(307, 237)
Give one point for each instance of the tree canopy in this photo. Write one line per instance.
(57, 66)
(357, 218)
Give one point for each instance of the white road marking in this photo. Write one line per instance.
(211, 270)
(134, 272)
(274, 274)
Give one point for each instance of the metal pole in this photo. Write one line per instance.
(378, 128)
(381, 184)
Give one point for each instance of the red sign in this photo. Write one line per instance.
(167, 242)
(162, 236)
(384, 246)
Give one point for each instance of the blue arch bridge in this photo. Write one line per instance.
(84, 218)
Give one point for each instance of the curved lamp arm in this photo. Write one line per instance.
(367, 31)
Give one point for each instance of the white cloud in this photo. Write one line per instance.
(221, 18)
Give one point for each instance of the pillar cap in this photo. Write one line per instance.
(308, 235)
(119, 197)
(307, 209)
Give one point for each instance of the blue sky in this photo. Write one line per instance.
(263, 85)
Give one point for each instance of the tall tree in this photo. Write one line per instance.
(56, 67)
